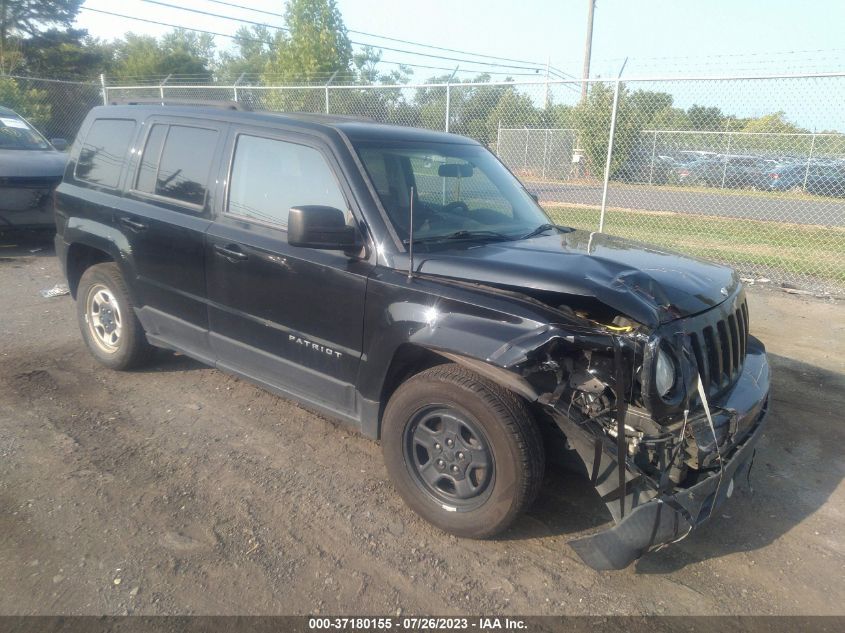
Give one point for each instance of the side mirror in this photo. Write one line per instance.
(534, 197)
(314, 226)
(59, 143)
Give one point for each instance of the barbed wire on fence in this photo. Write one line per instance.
(745, 170)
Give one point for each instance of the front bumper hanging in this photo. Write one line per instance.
(652, 517)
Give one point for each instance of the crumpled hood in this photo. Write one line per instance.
(21, 163)
(647, 284)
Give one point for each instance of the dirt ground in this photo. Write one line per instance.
(181, 490)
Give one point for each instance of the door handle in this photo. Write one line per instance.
(132, 224)
(231, 252)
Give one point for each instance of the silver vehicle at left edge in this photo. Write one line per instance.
(31, 168)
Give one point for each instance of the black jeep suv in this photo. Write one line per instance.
(405, 282)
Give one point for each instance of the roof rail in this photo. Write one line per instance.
(225, 105)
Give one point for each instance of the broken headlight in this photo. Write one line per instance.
(664, 373)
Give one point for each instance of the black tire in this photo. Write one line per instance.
(498, 417)
(130, 348)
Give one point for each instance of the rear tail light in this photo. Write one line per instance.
(683, 172)
(774, 176)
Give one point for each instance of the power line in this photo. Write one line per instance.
(723, 55)
(216, 15)
(557, 71)
(392, 39)
(327, 74)
(387, 48)
(479, 71)
(176, 26)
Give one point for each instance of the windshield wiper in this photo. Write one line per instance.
(462, 235)
(542, 229)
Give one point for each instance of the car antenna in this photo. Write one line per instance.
(411, 239)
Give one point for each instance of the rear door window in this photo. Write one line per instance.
(176, 163)
(269, 176)
(104, 151)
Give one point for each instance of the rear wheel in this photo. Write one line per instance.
(464, 453)
(107, 318)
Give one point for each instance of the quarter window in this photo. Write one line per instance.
(270, 176)
(104, 151)
(176, 163)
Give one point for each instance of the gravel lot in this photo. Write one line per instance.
(179, 489)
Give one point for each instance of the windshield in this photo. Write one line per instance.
(460, 191)
(16, 133)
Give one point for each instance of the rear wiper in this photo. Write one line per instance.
(462, 235)
(543, 228)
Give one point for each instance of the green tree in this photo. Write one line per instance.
(27, 18)
(767, 138)
(593, 118)
(366, 64)
(775, 122)
(316, 45)
(705, 118)
(559, 116)
(137, 56)
(431, 104)
(647, 106)
(253, 51)
(511, 109)
(184, 44)
(66, 54)
(475, 110)
(28, 102)
(178, 53)
(670, 119)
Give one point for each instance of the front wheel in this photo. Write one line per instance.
(464, 453)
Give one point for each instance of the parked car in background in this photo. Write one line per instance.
(688, 156)
(784, 176)
(700, 172)
(818, 178)
(31, 167)
(641, 166)
(733, 172)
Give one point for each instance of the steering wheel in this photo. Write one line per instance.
(457, 204)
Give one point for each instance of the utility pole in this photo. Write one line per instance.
(588, 46)
(449, 105)
(546, 98)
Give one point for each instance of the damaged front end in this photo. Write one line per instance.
(663, 447)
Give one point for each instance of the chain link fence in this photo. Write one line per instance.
(56, 108)
(726, 169)
(747, 171)
(538, 154)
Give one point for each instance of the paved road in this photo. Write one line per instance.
(830, 212)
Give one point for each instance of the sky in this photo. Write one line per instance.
(659, 37)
